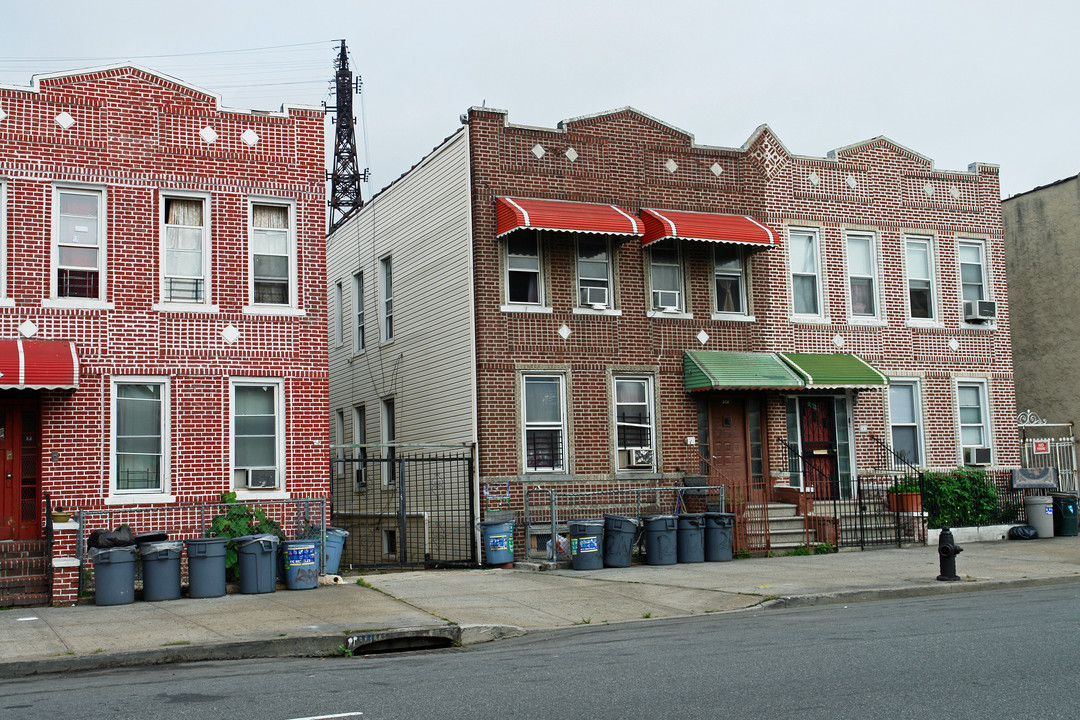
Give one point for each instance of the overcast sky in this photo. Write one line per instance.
(960, 82)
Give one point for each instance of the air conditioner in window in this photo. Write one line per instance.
(596, 297)
(361, 478)
(641, 457)
(976, 456)
(979, 310)
(262, 479)
(667, 300)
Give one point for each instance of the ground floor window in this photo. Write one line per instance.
(544, 403)
(634, 423)
(257, 435)
(139, 437)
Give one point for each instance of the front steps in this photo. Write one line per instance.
(24, 581)
(786, 529)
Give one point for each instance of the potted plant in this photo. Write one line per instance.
(59, 515)
(905, 496)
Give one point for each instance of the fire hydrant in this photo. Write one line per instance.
(947, 551)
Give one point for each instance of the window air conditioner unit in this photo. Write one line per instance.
(596, 297)
(979, 310)
(261, 479)
(976, 456)
(667, 300)
(641, 457)
(361, 478)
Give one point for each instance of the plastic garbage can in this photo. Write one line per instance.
(619, 535)
(660, 534)
(114, 575)
(691, 538)
(300, 561)
(257, 555)
(718, 536)
(1040, 514)
(1065, 514)
(335, 543)
(498, 537)
(206, 567)
(161, 569)
(586, 543)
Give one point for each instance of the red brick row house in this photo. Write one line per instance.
(162, 301)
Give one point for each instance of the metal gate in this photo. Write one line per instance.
(404, 505)
(1044, 444)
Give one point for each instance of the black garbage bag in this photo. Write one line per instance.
(119, 537)
(1023, 532)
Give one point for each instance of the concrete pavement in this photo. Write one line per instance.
(470, 606)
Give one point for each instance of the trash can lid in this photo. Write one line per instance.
(658, 517)
(337, 531)
(109, 552)
(245, 540)
(149, 548)
(627, 518)
(490, 523)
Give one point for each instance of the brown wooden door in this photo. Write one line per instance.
(727, 439)
(817, 424)
(20, 493)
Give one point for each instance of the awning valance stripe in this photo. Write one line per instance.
(516, 213)
(38, 364)
(707, 227)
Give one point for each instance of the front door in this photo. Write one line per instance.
(20, 496)
(817, 424)
(727, 440)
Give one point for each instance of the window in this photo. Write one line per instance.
(186, 265)
(545, 425)
(358, 321)
(862, 283)
(339, 439)
(904, 420)
(339, 306)
(665, 276)
(594, 273)
(389, 437)
(633, 424)
(972, 256)
(386, 306)
(974, 423)
(360, 455)
(271, 254)
(523, 281)
(257, 439)
(729, 273)
(805, 283)
(79, 252)
(920, 278)
(140, 456)
(3, 238)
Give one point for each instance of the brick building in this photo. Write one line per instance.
(608, 303)
(162, 301)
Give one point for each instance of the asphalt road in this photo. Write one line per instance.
(1007, 653)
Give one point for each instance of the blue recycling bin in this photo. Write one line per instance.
(300, 562)
(335, 543)
(498, 538)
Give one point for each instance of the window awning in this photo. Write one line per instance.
(835, 370)
(515, 213)
(38, 364)
(707, 227)
(712, 370)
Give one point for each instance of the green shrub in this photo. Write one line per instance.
(239, 520)
(960, 497)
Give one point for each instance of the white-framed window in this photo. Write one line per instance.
(140, 438)
(973, 282)
(386, 299)
(358, 313)
(524, 277)
(388, 435)
(544, 422)
(635, 445)
(862, 275)
(666, 277)
(257, 434)
(339, 309)
(79, 244)
(920, 278)
(360, 438)
(595, 286)
(729, 279)
(273, 252)
(973, 412)
(3, 239)
(185, 248)
(905, 420)
(805, 272)
(339, 439)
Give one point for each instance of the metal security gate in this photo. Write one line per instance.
(404, 505)
(1044, 444)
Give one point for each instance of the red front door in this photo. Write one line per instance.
(817, 422)
(20, 492)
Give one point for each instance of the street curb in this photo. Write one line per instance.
(942, 588)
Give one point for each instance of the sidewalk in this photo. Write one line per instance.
(470, 606)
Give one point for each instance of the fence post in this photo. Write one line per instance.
(553, 553)
(403, 540)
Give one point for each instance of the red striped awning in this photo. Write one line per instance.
(38, 364)
(514, 213)
(709, 227)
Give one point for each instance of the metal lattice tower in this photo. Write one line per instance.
(346, 177)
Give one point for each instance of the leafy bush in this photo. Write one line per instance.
(239, 520)
(960, 497)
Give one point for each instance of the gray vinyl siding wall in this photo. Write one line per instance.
(423, 223)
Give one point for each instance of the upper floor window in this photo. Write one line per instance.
(3, 238)
(272, 254)
(972, 255)
(805, 272)
(339, 439)
(358, 309)
(524, 285)
(905, 420)
(140, 448)
(258, 447)
(634, 423)
(386, 305)
(594, 273)
(729, 273)
(186, 248)
(665, 277)
(544, 423)
(339, 307)
(862, 278)
(920, 277)
(360, 454)
(79, 244)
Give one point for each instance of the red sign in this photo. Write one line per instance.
(1042, 447)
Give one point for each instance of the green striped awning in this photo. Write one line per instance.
(709, 370)
(835, 370)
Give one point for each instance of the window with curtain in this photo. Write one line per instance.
(79, 244)
(185, 247)
(729, 276)
(805, 282)
(270, 254)
(139, 438)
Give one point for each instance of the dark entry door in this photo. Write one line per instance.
(20, 496)
(817, 423)
(727, 441)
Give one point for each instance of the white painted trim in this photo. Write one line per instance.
(819, 275)
(4, 300)
(65, 562)
(101, 301)
(279, 428)
(294, 305)
(122, 497)
(207, 235)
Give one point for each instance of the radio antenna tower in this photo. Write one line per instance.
(346, 177)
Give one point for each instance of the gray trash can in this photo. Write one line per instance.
(586, 543)
(1040, 514)
(619, 535)
(498, 537)
(257, 556)
(335, 543)
(161, 569)
(718, 536)
(114, 575)
(660, 539)
(206, 567)
(691, 538)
